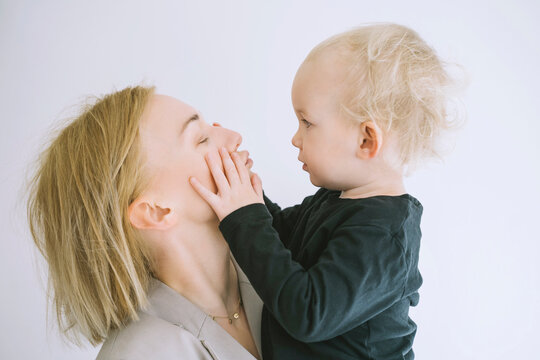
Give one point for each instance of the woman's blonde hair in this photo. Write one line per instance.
(99, 269)
(396, 80)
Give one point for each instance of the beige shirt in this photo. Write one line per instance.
(172, 327)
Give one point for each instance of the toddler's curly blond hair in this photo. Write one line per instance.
(397, 81)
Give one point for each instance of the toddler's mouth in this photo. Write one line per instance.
(304, 166)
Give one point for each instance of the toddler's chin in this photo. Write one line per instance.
(315, 181)
(326, 183)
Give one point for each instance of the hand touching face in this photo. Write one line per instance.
(175, 139)
(236, 185)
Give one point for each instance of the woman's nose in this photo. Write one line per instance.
(236, 140)
(227, 138)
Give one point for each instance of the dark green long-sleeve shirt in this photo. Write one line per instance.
(337, 276)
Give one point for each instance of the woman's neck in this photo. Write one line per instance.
(195, 261)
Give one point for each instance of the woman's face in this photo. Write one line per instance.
(175, 139)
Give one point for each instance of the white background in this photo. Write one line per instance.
(235, 61)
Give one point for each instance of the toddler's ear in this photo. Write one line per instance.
(145, 215)
(369, 140)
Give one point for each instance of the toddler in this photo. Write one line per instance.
(338, 272)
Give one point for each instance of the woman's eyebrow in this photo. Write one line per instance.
(189, 121)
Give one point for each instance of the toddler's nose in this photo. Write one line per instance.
(297, 143)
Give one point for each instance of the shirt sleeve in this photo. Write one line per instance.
(283, 220)
(361, 272)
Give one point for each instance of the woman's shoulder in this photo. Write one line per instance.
(150, 337)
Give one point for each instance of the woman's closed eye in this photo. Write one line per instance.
(203, 140)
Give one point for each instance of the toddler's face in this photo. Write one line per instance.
(326, 139)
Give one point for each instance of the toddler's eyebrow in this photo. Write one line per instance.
(189, 121)
(301, 113)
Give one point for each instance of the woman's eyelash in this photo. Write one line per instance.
(203, 140)
(307, 123)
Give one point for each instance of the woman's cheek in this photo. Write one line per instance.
(204, 175)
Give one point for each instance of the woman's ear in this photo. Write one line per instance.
(145, 215)
(369, 140)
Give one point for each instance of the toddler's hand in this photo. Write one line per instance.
(244, 155)
(237, 186)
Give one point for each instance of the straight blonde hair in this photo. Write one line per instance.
(98, 267)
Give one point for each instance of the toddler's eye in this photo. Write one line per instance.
(307, 123)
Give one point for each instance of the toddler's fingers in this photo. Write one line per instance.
(244, 154)
(230, 168)
(257, 185)
(243, 172)
(213, 159)
(206, 194)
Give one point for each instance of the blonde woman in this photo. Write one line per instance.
(135, 256)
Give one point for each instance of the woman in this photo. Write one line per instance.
(135, 255)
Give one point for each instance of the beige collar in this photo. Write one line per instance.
(170, 306)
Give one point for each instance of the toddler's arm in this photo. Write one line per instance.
(284, 219)
(360, 273)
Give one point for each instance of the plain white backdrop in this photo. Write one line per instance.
(235, 61)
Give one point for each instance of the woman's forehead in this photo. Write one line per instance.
(167, 105)
(165, 113)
